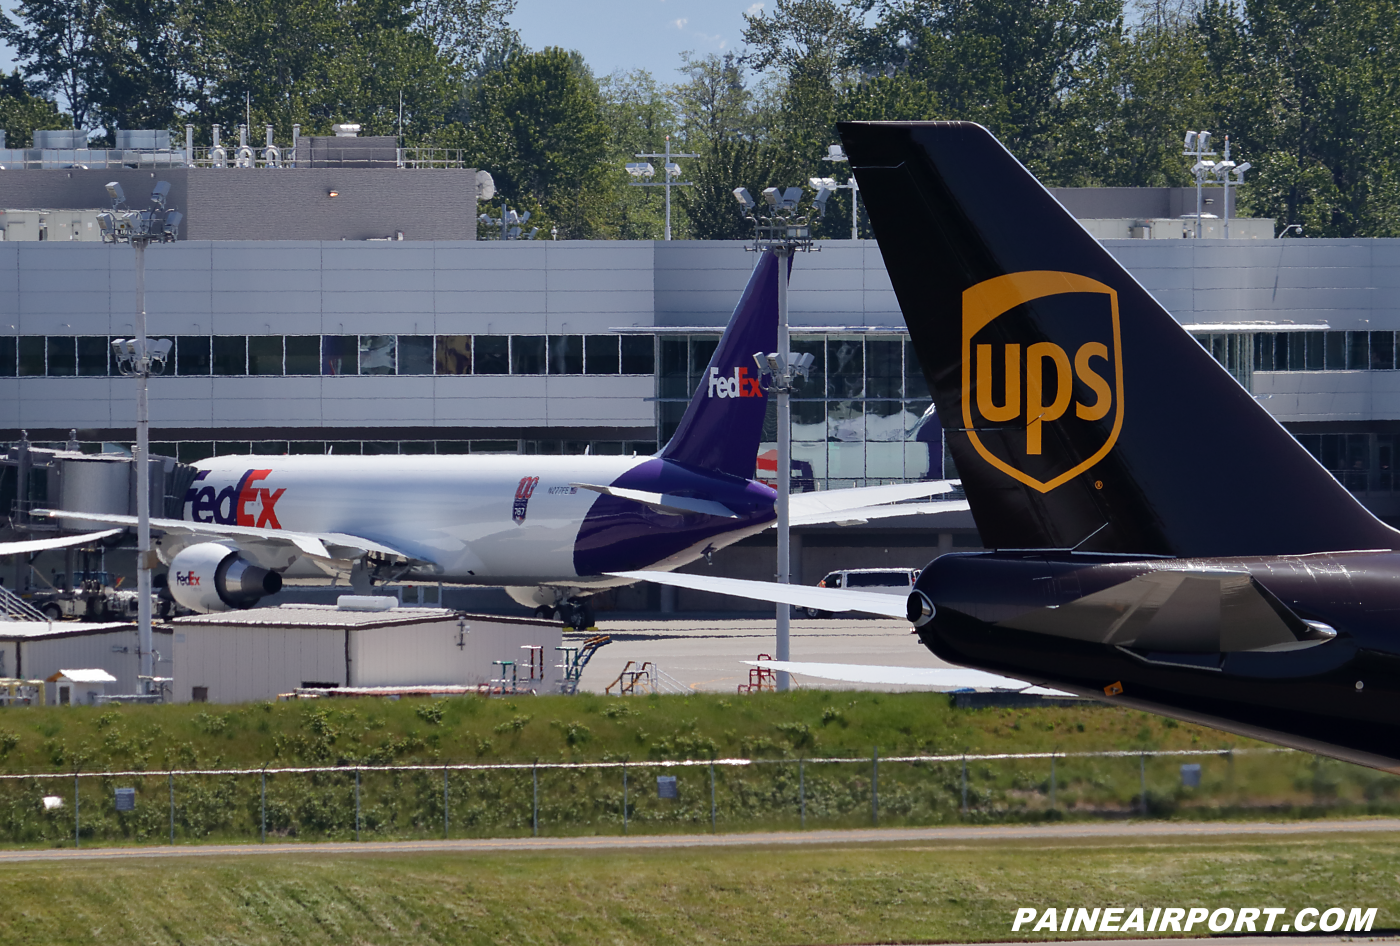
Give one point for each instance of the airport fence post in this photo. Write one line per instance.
(875, 787)
(77, 817)
(964, 785)
(624, 796)
(445, 815)
(535, 804)
(357, 804)
(263, 804)
(171, 777)
(802, 790)
(1052, 781)
(712, 797)
(1142, 778)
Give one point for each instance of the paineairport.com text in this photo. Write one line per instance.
(1186, 919)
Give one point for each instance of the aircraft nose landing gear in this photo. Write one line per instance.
(577, 613)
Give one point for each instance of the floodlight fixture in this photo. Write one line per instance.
(1190, 140)
(773, 195)
(819, 182)
(1240, 169)
(823, 195)
(159, 193)
(159, 350)
(115, 192)
(836, 153)
(1203, 140)
(172, 225)
(671, 173)
(741, 194)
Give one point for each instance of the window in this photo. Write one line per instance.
(845, 367)
(63, 356)
(92, 356)
(415, 354)
(9, 351)
(192, 355)
(884, 369)
(914, 383)
(454, 354)
(377, 354)
(265, 354)
(303, 353)
(1336, 357)
(638, 354)
(671, 379)
(1358, 350)
(566, 354)
(491, 354)
(1317, 350)
(600, 354)
(230, 354)
(702, 349)
(527, 354)
(340, 354)
(1383, 351)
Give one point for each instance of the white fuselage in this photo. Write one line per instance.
(469, 516)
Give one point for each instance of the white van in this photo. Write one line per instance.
(886, 581)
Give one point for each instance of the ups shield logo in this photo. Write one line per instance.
(1042, 374)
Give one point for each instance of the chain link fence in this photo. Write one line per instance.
(620, 796)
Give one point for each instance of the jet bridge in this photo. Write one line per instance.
(34, 477)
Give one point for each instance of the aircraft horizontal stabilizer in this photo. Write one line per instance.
(863, 514)
(942, 678)
(802, 596)
(837, 500)
(664, 502)
(62, 542)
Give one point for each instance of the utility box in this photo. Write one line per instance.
(61, 225)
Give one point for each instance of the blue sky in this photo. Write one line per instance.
(640, 34)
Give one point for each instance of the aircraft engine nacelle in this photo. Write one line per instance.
(213, 577)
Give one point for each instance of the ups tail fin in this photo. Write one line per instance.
(1078, 412)
(723, 423)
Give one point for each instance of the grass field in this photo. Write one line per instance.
(852, 893)
(779, 728)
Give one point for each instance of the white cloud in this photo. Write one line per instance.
(680, 24)
(754, 9)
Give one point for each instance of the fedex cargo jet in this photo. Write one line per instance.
(547, 528)
(1159, 540)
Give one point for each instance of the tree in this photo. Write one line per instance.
(639, 117)
(1308, 91)
(21, 111)
(58, 44)
(537, 125)
(474, 33)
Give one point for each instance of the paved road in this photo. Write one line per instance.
(707, 654)
(1137, 831)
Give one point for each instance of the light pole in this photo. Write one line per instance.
(1196, 144)
(138, 359)
(644, 172)
(1222, 174)
(837, 155)
(782, 230)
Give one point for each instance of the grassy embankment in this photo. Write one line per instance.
(841, 894)
(805, 724)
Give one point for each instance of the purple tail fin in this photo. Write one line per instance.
(723, 423)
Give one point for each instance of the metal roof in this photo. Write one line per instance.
(329, 616)
(49, 630)
(85, 676)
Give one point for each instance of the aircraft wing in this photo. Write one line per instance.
(664, 502)
(943, 678)
(324, 545)
(802, 596)
(62, 542)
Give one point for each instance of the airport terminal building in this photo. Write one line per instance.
(430, 345)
